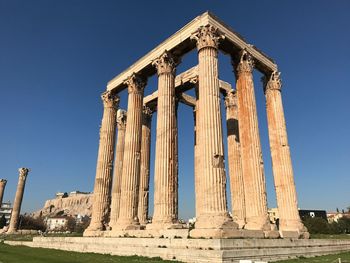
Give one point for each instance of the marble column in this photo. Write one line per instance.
(16, 210)
(129, 195)
(234, 159)
(212, 218)
(118, 167)
(197, 159)
(165, 183)
(103, 179)
(287, 203)
(2, 189)
(252, 162)
(145, 166)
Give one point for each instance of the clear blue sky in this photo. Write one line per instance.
(57, 56)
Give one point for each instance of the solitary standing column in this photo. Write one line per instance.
(145, 166)
(234, 160)
(103, 179)
(165, 183)
(131, 164)
(2, 189)
(289, 221)
(16, 210)
(252, 162)
(118, 167)
(212, 219)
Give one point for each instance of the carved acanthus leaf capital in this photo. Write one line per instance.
(121, 119)
(135, 84)
(231, 99)
(23, 172)
(3, 181)
(166, 63)
(110, 100)
(147, 113)
(207, 36)
(274, 82)
(245, 64)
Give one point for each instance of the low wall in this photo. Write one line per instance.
(194, 250)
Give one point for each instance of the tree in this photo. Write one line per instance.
(28, 222)
(2, 221)
(317, 225)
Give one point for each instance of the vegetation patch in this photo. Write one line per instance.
(19, 254)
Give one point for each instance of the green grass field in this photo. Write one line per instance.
(345, 258)
(19, 254)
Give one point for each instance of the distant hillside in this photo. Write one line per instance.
(73, 204)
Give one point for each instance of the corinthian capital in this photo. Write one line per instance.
(231, 99)
(110, 100)
(207, 36)
(121, 119)
(3, 181)
(23, 172)
(272, 83)
(147, 113)
(135, 84)
(165, 63)
(245, 64)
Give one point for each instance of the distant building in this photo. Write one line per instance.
(274, 214)
(6, 209)
(313, 213)
(335, 216)
(56, 223)
(74, 193)
(61, 195)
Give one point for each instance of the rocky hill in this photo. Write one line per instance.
(72, 205)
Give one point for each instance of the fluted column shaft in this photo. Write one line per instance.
(103, 179)
(118, 168)
(287, 203)
(165, 183)
(234, 160)
(252, 162)
(2, 189)
(145, 166)
(212, 212)
(16, 210)
(197, 153)
(132, 154)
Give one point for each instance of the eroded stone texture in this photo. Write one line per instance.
(16, 210)
(132, 154)
(103, 179)
(289, 219)
(234, 160)
(145, 166)
(2, 189)
(118, 168)
(252, 162)
(165, 181)
(212, 214)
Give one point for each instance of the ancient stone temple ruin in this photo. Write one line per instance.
(121, 191)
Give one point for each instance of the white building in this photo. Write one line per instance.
(6, 210)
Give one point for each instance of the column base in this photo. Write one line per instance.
(240, 222)
(164, 225)
(259, 223)
(216, 221)
(127, 224)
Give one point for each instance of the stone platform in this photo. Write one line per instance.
(194, 250)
